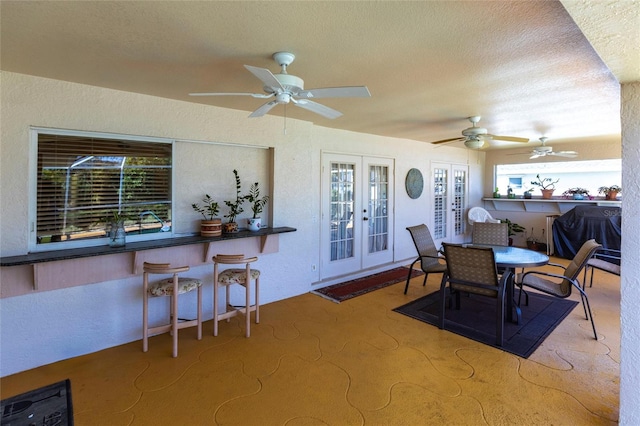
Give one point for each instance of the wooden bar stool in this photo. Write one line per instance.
(171, 287)
(241, 276)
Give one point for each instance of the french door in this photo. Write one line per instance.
(450, 188)
(357, 213)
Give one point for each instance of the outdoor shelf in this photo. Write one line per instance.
(47, 264)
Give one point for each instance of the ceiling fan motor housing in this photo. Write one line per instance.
(291, 83)
(474, 131)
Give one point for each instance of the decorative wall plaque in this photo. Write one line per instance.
(414, 183)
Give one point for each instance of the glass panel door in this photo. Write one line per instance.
(378, 244)
(357, 213)
(449, 202)
(342, 204)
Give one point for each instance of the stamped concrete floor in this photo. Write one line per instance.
(314, 362)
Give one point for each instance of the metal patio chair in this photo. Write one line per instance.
(428, 255)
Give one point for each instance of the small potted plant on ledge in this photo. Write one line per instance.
(527, 194)
(547, 186)
(210, 226)
(576, 193)
(235, 208)
(513, 228)
(115, 229)
(257, 205)
(610, 192)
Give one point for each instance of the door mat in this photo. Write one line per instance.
(48, 405)
(476, 319)
(358, 287)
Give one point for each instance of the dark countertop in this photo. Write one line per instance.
(50, 256)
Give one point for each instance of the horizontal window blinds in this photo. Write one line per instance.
(83, 181)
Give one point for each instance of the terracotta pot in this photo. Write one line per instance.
(547, 193)
(612, 195)
(211, 228)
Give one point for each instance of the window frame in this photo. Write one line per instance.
(34, 133)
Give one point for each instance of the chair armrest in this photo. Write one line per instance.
(543, 273)
(557, 265)
(606, 257)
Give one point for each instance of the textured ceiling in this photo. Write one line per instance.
(524, 66)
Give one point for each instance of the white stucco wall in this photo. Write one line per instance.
(45, 327)
(630, 281)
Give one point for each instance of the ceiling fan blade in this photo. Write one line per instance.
(568, 154)
(324, 111)
(265, 76)
(336, 92)
(508, 138)
(450, 140)
(254, 95)
(265, 108)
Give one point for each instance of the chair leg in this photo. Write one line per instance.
(174, 319)
(215, 299)
(443, 297)
(247, 311)
(406, 287)
(145, 314)
(258, 300)
(587, 307)
(199, 312)
(500, 321)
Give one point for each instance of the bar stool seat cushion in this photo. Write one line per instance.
(236, 276)
(165, 287)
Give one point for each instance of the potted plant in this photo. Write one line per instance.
(513, 228)
(610, 192)
(534, 244)
(547, 186)
(210, 226)
(115, 229)
(496, 192)
(235, 208)
(257, 205)
(527, 194)
(576, 193)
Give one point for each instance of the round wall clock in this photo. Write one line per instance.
(414, 183)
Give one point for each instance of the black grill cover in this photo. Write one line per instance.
(583, 223)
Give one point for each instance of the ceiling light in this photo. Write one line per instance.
(474, 143)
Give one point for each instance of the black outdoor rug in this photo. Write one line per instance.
(350, 289)
(48, 405)
(476, 319)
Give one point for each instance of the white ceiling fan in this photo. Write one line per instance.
(285, 88)
(543, 150)
(474, 136)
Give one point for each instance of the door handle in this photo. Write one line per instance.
(365, 218)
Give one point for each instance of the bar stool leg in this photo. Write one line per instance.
(215, 299)
(247, 285)
(257, 300)
(200, 313)
(145, 313)
(174, 320)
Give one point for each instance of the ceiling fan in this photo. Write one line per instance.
(474, 136)
(285, 88)
(543, 150)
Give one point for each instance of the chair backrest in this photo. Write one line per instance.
(233, 259)
(424, 245)
(586, 252)
(491, 234)
(162, 268)
(470, 266)
(478, 214)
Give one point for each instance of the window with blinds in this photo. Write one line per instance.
(83, 181)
